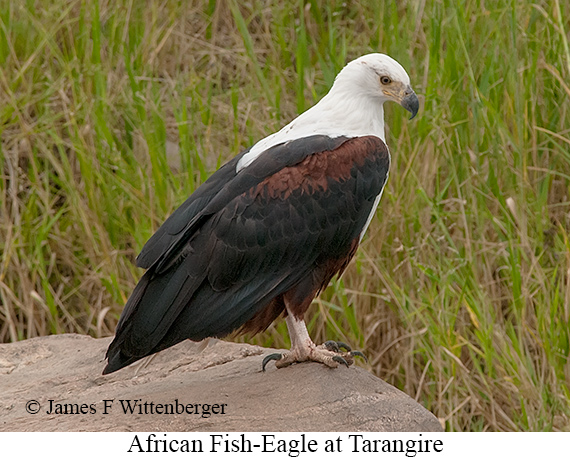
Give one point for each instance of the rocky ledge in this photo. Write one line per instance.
(54, 383)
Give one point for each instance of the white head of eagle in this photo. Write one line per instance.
(268, 230)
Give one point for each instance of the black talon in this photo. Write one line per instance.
(332, 346)
(336, 346)
(269, 358)
(340, 359)
(358, 354)
(344, 346)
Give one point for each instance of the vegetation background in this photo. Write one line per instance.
(113, 112)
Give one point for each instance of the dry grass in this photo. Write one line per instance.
(459, 294)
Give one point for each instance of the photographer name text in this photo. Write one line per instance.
(133, 407)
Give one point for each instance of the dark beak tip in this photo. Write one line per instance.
(412, 104)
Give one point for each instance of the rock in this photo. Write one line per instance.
(66, 370)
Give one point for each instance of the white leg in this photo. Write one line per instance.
(300, 339)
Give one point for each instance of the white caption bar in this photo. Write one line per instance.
(287, 444)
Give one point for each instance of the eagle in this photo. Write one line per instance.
(270, 228)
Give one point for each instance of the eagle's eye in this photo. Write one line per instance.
(385, 80)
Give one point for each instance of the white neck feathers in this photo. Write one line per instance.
(337, 114)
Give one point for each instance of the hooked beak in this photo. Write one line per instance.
(410, 101)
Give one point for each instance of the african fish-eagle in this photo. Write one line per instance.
(267, 231)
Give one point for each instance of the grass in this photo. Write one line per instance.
(112, 113)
